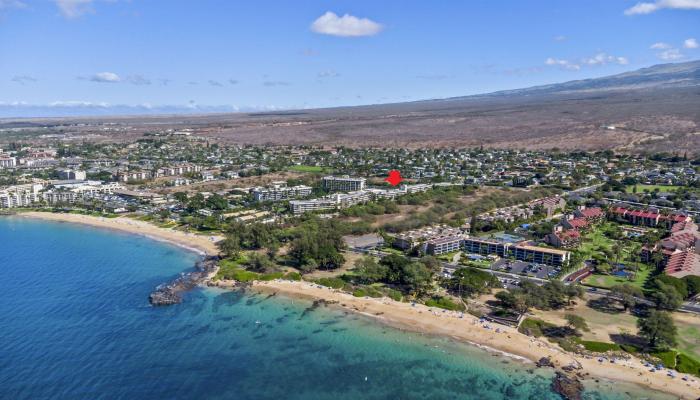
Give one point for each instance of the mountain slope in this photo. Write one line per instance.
(663, 75)
(651, 109)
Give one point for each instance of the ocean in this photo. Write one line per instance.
(76, 324)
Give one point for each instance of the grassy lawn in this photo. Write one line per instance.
(310, 169)
(607, 281)
(595, 241)
(650, 188)
(688, 333)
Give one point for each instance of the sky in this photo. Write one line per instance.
(63, 57)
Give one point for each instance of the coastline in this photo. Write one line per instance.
(188, 241)
(508, 342)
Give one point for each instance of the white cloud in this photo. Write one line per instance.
(565, 64)
(647, 8)
(560, 38)
(107, 77)
(77, 103)
(670, 55)
(691, 43)
(345, 26)
(603, 58)
(660, 46)
(596, 60)
(74, 8)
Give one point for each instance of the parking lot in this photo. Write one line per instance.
(540, 271)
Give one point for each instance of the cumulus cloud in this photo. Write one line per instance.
(74, 8)
(596, 60)
(648, 8)
(328, 74)
(691, 43)
(603, 58)
(215, 83)
(105, 77)
(670, 55)
(346, 26)
(565, 64)
(23, 79)
(660, 46)
(233, 82)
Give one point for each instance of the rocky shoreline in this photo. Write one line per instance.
(566, 382)
(171, 293)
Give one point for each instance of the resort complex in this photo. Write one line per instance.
(591, 234)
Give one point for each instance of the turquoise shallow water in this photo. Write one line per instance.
(76, 324)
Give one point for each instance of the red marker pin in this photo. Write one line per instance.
(394, 177)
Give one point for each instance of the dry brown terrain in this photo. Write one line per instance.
(652, 109)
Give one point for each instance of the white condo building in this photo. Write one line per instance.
(279, 191)
(343, 183)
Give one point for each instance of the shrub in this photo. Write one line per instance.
(271, 276)
(367, 291)
(534, 327)
(630, 348)
(359, 292)
(687, 365)
(238, 274)
(394, 294)
(668, 358)
(335, 283)
(444, 302)
(599, 347)
(292, 276)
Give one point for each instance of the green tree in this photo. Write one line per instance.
(576, 322)
(466, 282)
(693, 284)
(416, 277)
(666, 297)
(181, 197)
(368, 270)
(217, 202)
(658, 328)
(573, 291)
(231, 245)
(626, 294)
(260, 262)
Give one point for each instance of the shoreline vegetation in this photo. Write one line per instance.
(420, 318)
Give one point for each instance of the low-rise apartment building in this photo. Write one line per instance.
(279, 191)
(20, 195)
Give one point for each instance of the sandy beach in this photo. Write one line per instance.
(418, 318)
(495, 337)
(200, 243)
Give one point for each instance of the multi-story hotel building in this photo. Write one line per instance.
(343, 183)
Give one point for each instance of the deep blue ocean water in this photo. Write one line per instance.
(75, 323)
